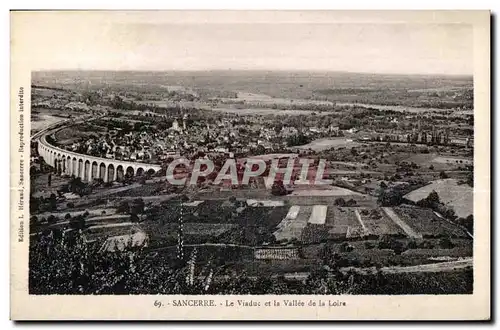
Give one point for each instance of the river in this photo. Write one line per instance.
(399, 108)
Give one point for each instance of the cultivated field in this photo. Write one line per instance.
(206, 229)
(293, 223)
(459, 197)
(329, 191)
(100, 233)
(340, 220)
(378, 223)
(426, 223)
(318, 215)
(453, 160)
(325, 144)
(408, 230)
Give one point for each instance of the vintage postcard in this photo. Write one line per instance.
(250, 165)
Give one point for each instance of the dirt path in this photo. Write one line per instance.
(223, 245)
(437, 267)
(434, 267)
(112, 225)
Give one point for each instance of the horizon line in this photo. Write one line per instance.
(259, 70)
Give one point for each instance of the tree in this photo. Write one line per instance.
(426, 244)
(77, 222)
(123, 207)
(390, 197)
(351, 202)
(374, 214)
(447, 212)
(137, 206)
(51, 219)
(467, 222)
(369, 245)
(67, 216)
(443, 175)
(470, 179)
(446, 243)
(297, 140)
(134, 217)
(346, 247)
(76, 185)
(433, 197)
(412, 244)
(431, 201)
(53, 202)
(387, 242)
(340, 202)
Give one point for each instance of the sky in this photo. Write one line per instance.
(200, 41)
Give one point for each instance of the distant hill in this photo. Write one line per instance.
(409, 90)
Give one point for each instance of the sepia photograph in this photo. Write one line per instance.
(250, 154)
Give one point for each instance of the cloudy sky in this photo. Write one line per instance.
(270, 41)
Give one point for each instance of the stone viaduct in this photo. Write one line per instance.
(88, 167)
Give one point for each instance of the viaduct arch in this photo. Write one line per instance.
(89, 168)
